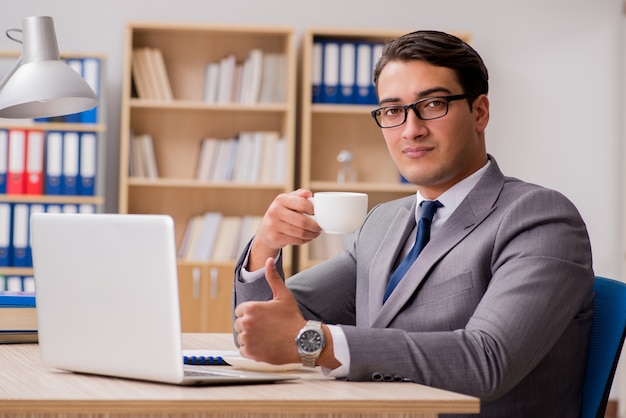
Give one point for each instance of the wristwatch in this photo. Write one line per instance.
(310, 342)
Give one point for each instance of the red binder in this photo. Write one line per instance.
(17, 161)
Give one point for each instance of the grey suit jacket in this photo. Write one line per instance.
(498, 304)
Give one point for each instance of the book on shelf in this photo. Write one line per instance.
(89, 69)
(203, 246)
(258, 79)
(273, 78)
(149, 74)
(16, 161)
(35, 162)
(18, 317)
(215, 237)
(252, 157)
(227, 238)
(342, 71)
(142, 161)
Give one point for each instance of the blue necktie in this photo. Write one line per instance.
(429, 207)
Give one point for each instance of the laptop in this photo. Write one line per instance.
(107, 300)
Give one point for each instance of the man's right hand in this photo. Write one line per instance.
(284, 223)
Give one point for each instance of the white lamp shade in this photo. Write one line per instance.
(45, 89)
(42, 85)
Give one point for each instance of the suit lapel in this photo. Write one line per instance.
(382, 263)
(472, 211)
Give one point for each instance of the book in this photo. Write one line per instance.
(330, 93)
(54, 163)
(226, 79)
(18, 317)
(211, 81)
(4, 159)
(317, 64)
(252, 77)
(5, 234)
(87, 164)
(21, 256)
(16, 161)
(91, 74)
(145, 152)
(363, 73)
(35, 145)
(347, 74)
(163, 82)
(208, 357)
(17, 299)
(191, 237)
(208, 148)
(139, 71)
(18, 337)
(75, 64)
(227, 239)
(71, 157)
(205, 243)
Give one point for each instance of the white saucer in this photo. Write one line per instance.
(259, 366)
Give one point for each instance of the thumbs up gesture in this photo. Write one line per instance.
(267, 330)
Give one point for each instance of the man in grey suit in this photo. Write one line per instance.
(499, 302)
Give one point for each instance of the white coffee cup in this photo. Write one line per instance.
(339, 212)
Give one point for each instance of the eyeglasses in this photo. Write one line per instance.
(426, 109)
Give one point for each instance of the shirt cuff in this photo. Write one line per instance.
(340, 351)
(251, 276)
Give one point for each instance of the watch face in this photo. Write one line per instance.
(310, 341)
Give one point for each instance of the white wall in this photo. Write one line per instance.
(556, 78)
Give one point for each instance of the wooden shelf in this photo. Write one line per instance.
(178, 126)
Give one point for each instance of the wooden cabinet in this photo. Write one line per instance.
(178, 125)
(328, 129)
(77, 181)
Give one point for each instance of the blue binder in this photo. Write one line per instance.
(54, 163)
(87, 164)
(91, 74)
(6, 225)
(4, 159)
(330, 79)
(71, 159)
(21, 254)
(317, 71)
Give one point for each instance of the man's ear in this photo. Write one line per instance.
(481, 112)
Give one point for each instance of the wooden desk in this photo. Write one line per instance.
(29, 389)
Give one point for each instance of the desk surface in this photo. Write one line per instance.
(27, 387)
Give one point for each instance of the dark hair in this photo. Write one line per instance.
(440, 49)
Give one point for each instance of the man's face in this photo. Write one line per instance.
(433, 154)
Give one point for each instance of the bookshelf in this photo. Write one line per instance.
(177, 125)
(80, 186)
(332, 128)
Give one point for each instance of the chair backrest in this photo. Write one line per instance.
(605, 344)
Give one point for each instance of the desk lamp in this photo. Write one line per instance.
(40, 84)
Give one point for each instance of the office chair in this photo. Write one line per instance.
(605, 344)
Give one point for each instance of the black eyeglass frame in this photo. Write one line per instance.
(413, 106)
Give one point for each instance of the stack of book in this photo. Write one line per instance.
(252, 157)
(259, 79)
(150, 74)
(142, 157)
(18, 317)
(215, 237)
